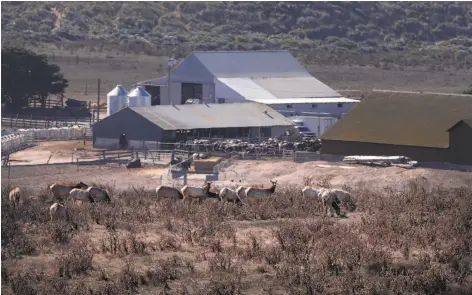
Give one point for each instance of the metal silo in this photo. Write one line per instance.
(138, 97)
(116, 100)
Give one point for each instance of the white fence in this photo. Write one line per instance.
(63, 133)
(14, 142)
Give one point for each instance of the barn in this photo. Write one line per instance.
(425, 127)
(133, 126)
(274, 78)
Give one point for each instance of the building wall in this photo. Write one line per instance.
(346, 148)
(460, 145)
(329, 108)
(208, 90)
(278, 131)
(135, 127)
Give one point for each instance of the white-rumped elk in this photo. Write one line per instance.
(196, 192)
(58, 210)
(227, 194)
(261, 192)
(163, 191)
(15, 196)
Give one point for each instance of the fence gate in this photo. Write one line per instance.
(302, 157)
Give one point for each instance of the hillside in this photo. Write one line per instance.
(390, 33)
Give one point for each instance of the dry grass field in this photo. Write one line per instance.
(127, 69)
(410, 234)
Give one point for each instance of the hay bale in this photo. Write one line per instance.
(207, 164)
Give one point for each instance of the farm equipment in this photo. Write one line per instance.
(382, 161)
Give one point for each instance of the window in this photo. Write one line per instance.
(340, 105)
(289, 106)
(221, 100)
(314, 106)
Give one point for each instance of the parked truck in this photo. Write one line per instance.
(311, 124)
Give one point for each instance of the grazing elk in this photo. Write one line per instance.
(61, 192)
(59, 210)
(230, 195)
(77, 194)
(196, 192)
(261, 192)
(163, 191)
(311, 192)
(329, 200)
(15, 196)
(345, 199)
(99, 194)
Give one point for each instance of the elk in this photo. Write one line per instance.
(345, 199)
(58, 210)
(15, 196)
(230, 195)
(241, 191)
(196, 192)
(163, 191)
(261, 192)
(331, 201)
(77, 194)
(62, 191)
(99, 194)
(310, 192)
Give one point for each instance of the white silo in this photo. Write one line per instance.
(139, 97)
(116, 100)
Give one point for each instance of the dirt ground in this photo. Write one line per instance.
(59, 151)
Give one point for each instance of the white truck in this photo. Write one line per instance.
(311, 124)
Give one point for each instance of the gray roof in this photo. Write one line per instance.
(204, 116)
(276, 72)
(467, 122)
(260, 64)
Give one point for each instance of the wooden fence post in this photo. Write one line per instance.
(11, 121)
(9, 167)
(77, 159)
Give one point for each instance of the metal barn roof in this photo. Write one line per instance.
(263, 74)
(315, 100)
(261, 64)
(402, 119)
(204, 116)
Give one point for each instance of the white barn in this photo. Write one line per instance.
(274, 78)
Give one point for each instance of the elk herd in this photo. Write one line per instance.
(329, 198)
(80, 192)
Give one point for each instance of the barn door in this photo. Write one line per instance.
(155, 92)
(191, 90)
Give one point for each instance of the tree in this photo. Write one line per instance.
(27, 75)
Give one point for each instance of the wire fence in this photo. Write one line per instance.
(19, 121)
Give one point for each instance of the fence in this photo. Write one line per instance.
(14, 142)
(63, 133)
(43, 122)
(302, 157)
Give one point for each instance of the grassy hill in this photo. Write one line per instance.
(384, 34)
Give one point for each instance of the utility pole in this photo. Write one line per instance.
(98, 101)
(170, 64)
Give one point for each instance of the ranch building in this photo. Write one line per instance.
(274, 78)
(134, 126)
(424, 127)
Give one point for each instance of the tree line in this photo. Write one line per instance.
(27, 76)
